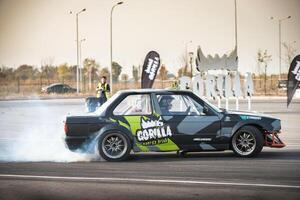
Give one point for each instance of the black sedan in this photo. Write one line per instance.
(58, 88)
(167, 120)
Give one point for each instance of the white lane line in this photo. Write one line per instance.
(149, 180)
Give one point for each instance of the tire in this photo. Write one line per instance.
(247, 142)
(114, 146)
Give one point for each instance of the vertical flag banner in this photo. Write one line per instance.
(293, 79)
(150, 68)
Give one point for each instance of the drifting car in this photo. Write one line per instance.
(169, 120)
(58, 88)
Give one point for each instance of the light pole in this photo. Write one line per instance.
(279, 39)
(77, 42)
(80, 61)
(191, 56)
(111, 62)
(187, 54)
(235, 24)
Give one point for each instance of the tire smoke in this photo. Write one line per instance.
(33, 131)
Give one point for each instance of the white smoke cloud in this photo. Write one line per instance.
(33, 131)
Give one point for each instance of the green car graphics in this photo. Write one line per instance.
(149, 133)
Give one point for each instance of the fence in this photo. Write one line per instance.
(20, 87)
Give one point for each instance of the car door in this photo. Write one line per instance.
(66, 89)
(135, 112)
(194, 124)
(58, 89)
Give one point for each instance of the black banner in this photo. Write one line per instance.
(150, 68)
(293, 79)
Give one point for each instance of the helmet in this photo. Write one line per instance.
(165, 102)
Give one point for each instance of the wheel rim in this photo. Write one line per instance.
(244, 143)
(114, 145)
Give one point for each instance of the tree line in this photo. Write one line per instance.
(91, 71)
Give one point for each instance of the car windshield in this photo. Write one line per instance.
(102, 108)
(211, 105)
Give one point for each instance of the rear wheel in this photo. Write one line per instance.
(114, 146)
(247, 141)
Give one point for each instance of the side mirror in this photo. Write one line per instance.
(205, 110)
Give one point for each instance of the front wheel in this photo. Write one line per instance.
(247, 141)
(114, 146)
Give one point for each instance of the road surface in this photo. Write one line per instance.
(34, 164)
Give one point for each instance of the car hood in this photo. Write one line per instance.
(268, 122)
(249, 114)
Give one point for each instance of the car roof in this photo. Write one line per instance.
(141, 91)
(54, 84)
(153, 91)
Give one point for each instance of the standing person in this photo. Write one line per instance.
(103, 90)
(175, 85)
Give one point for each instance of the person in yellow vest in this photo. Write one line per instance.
(175, 85)
(103, 90)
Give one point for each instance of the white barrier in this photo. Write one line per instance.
(219, 86)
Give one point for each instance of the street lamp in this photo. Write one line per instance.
(80, 62)
(235, 24)
(77, 41)
(111, 13)
(279, 38)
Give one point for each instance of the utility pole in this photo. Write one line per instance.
(235, 22)
(77, 48)
(279, 39)
(111, 45)
(80, 63)
(187, 57)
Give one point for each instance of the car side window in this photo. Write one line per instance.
(179, 105)
(56, 88)
(136, 104)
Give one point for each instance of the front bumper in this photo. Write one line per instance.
(272, 140)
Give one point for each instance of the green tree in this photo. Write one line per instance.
(135, 73)
(105, 72)
(72, 72)
(49, 72)
(90, 69)
(6, 73)
(263, 58)
(62, 71)
(116, 71)
(163, 74)
(124, 77)
(184, 72)
(26, 72)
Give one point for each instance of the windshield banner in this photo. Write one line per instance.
(293, 79)
(150, 68)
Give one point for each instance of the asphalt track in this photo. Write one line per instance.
(43, 168)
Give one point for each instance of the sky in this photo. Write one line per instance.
(36, 31)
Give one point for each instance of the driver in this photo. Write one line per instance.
(165, 104)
